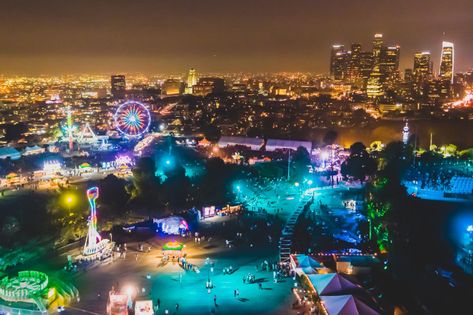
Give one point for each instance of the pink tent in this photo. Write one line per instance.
(346, 305)
(331, 283)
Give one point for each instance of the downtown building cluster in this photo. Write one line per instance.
(376, 73)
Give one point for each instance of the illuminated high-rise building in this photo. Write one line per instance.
(447, 61)
(338, 62)
(389, 65)
(118, 86)
(422, 65)
(366, 66)
(377, 48)
(422, 71)
(374, 88)
(191, 80)
(354, 63)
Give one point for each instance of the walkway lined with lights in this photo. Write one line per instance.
(285, 241)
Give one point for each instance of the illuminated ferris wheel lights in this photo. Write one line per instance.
(132, 119)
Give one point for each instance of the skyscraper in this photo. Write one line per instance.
(422, 71)
(389, 65)
(354, 64)
(422, 65)
(374, 88)
(338, 62)
(118, 86)
(191, 80)
(447, 61)
(377, 48)
(366, 65)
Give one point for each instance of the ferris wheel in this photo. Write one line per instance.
(132, 119)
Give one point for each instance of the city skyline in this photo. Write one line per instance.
(59, 38)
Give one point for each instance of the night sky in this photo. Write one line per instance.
(164, 36)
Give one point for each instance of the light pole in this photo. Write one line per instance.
(288, 164)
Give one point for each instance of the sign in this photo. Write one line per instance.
(144, 307)
(208, 212)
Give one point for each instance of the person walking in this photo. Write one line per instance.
(215, 300)
(177, 307)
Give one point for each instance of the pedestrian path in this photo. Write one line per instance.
(285, 241)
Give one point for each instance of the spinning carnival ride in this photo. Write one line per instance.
(132, 119)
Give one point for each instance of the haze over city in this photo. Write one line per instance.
(58, 37)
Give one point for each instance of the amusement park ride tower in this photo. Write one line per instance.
(69, 129)
(94, 244)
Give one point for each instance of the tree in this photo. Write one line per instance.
(145, 183)
(330, 137)
(357, 148)
(397, 157)
(113, 193)
(215, 186)
(212, 132)
(14, 132)
(300, 160)
(359, 164)
(176, 187)
(376, 146)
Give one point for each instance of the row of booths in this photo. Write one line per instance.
(337, 293)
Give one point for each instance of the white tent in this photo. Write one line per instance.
(254, 144)
(33, 150)
(172, 225)
(346, 305)
(331, 283)
(278, 144)
(304, 264)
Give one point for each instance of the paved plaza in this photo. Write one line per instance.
(171, 284)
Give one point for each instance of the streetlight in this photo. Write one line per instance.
(69, 200)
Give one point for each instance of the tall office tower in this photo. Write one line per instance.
(447, 61)
(422, 71)
(354, 70)
(389, 65)
(118, 85)
(366, 66)
(374, 87)
(422, 66)
(404, 89)
(338, 62)
(377, 48)
(191, 80)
